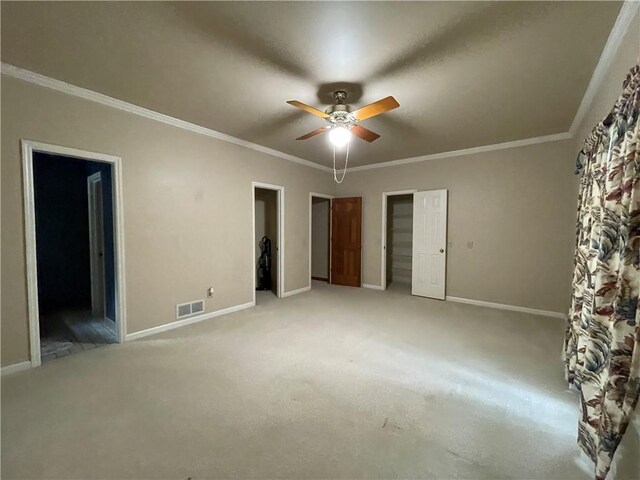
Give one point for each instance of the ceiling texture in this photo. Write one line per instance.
(466, 74)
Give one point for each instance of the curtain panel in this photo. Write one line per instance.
(602, 342)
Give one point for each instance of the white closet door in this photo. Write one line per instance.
(429, 243)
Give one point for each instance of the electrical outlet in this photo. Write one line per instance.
(210, 292)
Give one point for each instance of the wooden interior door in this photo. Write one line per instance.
(346, 241)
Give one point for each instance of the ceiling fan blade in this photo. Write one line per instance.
(314, 133)
(364, 133)
(376, 108)
(307, 108)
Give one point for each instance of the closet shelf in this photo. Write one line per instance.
(400, 252)
(399, 243)
(398, 276)
(398, 268)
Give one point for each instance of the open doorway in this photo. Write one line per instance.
(398, 241)
(267, 241)
(75, 252)
(320, 238)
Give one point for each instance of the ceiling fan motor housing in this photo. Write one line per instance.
(340, 114)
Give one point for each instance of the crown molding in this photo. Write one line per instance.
(622, 24)
(619, 30)
(468, 151)
(60, 86)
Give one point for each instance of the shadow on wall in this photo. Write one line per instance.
(62, 233)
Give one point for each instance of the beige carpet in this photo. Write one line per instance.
(336, 382)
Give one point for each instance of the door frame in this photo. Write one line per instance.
(330, 198)
(28, 148)
(280, 246)
(93, 240)
(383, 242)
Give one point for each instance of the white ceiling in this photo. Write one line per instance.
(465, 74)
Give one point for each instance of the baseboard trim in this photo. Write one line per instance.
(295, 292)
(187, 321)
(16, 367)
(502, 306)
(320, 279)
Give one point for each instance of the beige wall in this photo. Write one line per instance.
(320, 238)
(187, 208)
(517, 206)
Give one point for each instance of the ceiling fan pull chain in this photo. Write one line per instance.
(346, 162)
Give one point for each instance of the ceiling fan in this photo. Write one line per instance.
(343, 122)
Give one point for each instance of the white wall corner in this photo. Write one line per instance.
(296, 292)
(619, 30)
(16, 367)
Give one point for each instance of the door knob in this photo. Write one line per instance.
(442, 250)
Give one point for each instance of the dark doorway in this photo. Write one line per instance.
(266, 241)
(75, 254)
(320, 238)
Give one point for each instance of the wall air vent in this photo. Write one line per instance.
(197, 307)
(188, 309)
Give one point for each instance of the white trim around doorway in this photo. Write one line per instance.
(28, 148)
(280, 246)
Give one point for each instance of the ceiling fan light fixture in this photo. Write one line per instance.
(339, 136)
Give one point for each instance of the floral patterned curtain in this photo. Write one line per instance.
(602, 344)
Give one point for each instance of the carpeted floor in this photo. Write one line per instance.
(336, 382)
